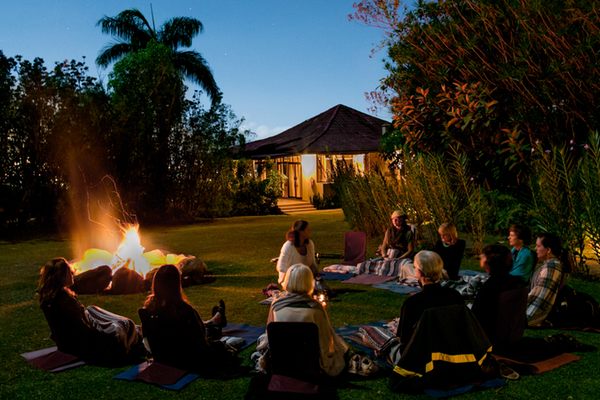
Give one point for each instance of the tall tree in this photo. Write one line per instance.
(134, 33)
(492, 77)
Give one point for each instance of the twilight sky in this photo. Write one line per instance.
(278, 62)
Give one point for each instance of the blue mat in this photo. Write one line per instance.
(248, 332)
(395, 287)
(132, 375)
(335, 276)
(489, 384)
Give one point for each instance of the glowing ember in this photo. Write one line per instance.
(130, 254)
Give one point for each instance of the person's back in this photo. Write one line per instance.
(176, 332)
(428, 269)
(488, 304)
(69, 327)
(500, 303)
(177, 336)
(296, 305)
(73, 328)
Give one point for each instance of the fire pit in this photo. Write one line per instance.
(131, 269)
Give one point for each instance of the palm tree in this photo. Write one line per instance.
(134, 33)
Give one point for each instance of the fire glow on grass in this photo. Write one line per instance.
(129, 254)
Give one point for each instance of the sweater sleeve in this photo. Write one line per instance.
(285, 260)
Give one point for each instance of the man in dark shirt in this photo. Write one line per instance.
(428, 270)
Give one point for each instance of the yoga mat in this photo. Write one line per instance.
(541, 366)
(367, 279)
(489, 384)
(248, 332)
(335, 276)
(397, 287)
(159, 374)
(52, 360)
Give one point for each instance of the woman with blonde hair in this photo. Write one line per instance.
(297, 305)
(450, 248)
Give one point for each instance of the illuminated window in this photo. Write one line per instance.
(326, 164)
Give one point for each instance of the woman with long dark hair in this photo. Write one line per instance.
(93, 334)
(298, 249)
(547, 278)
(176, 333)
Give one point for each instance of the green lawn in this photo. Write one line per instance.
(237, 251)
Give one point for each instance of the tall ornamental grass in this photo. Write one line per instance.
(428, 188)
(565, 191)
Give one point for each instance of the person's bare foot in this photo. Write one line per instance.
(222, 313)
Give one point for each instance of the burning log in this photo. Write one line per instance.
(130, 269)
(94, 281)
(127, 281)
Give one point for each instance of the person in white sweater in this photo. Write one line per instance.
(298, 249)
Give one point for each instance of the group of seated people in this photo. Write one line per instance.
(509, 269)
(176, 333)
(178, 336)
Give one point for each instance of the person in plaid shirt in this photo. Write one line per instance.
(547, 279)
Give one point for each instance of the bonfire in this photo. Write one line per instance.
(129, 254)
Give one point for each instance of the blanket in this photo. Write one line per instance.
(369, 279)
(468, 284)
(382, 266)
(369, 338)
(247, 332)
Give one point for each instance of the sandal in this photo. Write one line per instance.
(367, 367)
(508, 373)
(354, 364)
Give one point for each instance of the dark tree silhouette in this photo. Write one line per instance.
(134, 32)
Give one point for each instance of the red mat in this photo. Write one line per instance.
(52, 360)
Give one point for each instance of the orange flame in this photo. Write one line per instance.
(129, 254)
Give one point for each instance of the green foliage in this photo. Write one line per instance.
(505, 210)
(53, 125)
(494, 77)
(590, 181)
(255, 196)
(558, 204)
(428, 189)
(325, 202)
(148, 101)
(136, 34)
